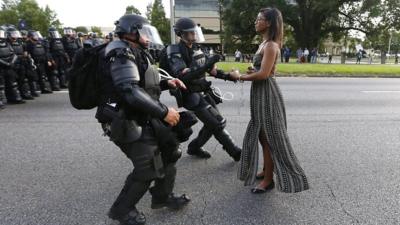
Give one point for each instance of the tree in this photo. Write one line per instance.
(132, 10)
(156, 15)
(36, 18)
(97, 30)
(82, 29)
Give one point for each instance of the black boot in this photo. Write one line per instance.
(63, 81)
(225, 139)
(134, 217)
(3, 99)
(13, 95)
(171, 202)
(25, 91)
(33, 87)
(44, 85)
(127, 199)
(54, 83)
(195, 147)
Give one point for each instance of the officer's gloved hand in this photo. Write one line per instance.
(211, 61)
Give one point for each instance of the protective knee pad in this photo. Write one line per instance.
(146, 161)
(211, 118)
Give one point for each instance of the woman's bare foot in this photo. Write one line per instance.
(264, 184)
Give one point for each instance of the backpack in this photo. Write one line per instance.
(83, 78)
(163, 63)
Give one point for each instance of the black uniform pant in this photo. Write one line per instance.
(147, 167)
(61, 67)
(3, 99)
(22, 79)
(42, 75)
(10, 84)
(205, 108)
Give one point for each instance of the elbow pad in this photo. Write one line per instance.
(139, 100)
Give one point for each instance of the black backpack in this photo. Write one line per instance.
(83, 78)
(163, 63)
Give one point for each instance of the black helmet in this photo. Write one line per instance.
(35, 35)
(184, 24)
(135, 24)
(13, 33)
(53, 33)
(130, 24)
(24, 33)
(110, 36)
(68, 31)
(80, 34)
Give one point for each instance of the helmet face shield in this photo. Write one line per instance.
(68, 31)
(150, 34)
(37, 36)
(55, 34)
(197, 35)
(2, 34)
(15, 34)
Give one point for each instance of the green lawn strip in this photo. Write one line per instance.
(330, 70)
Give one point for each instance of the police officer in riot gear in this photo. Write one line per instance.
(109, 37)
(80, 39)
(70, 43)
(22, 64)
(131, 87)
(38, 51)
(8, 78)
(59, 60)
(187, 62)
(29, 66)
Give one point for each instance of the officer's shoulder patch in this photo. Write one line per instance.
(114, 45)
(173, 49)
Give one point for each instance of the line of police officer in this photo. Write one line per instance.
(30, 64)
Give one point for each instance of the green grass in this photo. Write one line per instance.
(294, 69)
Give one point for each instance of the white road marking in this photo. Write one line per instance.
(62, 91)
(380, 91)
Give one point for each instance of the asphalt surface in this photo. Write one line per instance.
(57, 168)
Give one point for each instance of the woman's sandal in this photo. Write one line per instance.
(257, 190)
(259, 177)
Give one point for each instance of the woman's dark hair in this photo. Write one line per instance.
(274, 17)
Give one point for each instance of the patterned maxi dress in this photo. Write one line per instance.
(268, 116)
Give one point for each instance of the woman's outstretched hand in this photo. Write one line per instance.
(250, 70)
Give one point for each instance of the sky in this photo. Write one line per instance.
(103, 13)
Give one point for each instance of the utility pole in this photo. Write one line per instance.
(172, 20)
(220, 27)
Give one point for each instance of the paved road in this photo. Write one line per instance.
(57, 168)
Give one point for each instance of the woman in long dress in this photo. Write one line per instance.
(268, 116)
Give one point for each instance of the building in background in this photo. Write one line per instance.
(207, 14)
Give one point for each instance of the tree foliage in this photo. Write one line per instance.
(132, 10)
(156, 15)
(36, 18)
